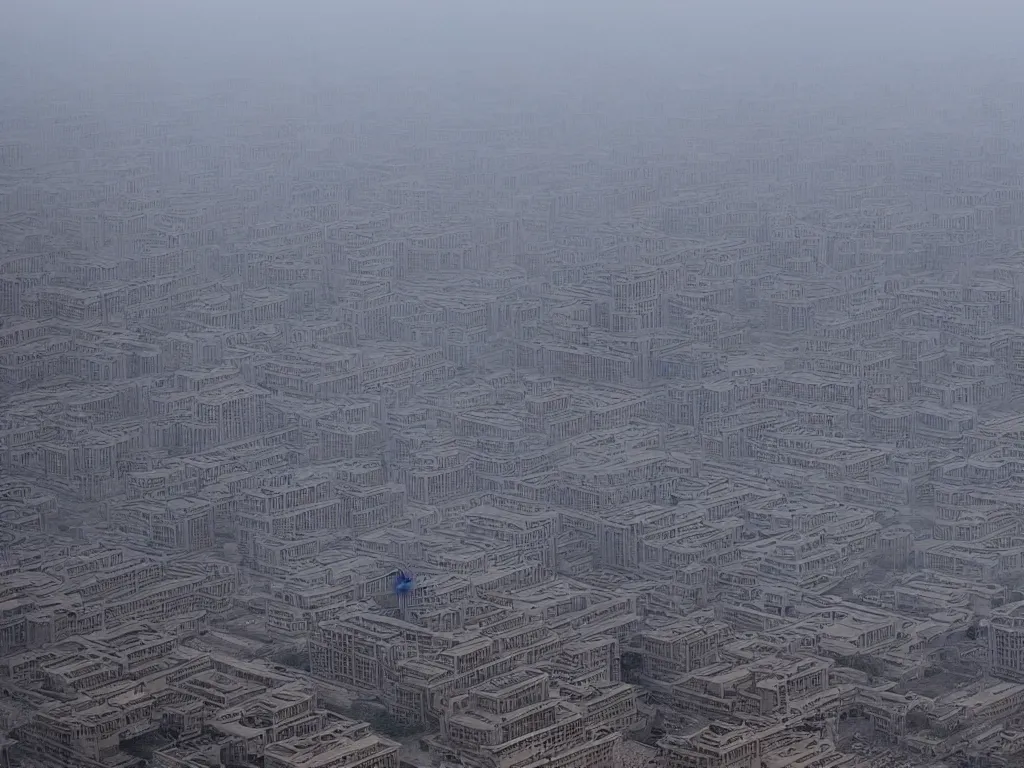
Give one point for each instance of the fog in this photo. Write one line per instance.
(501, 44)
(462, 384)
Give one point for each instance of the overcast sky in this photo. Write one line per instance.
(532, 42)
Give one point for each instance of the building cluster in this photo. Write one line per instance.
(704, 452)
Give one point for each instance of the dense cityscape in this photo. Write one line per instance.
(679, 428)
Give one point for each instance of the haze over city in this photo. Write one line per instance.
(511, 385)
